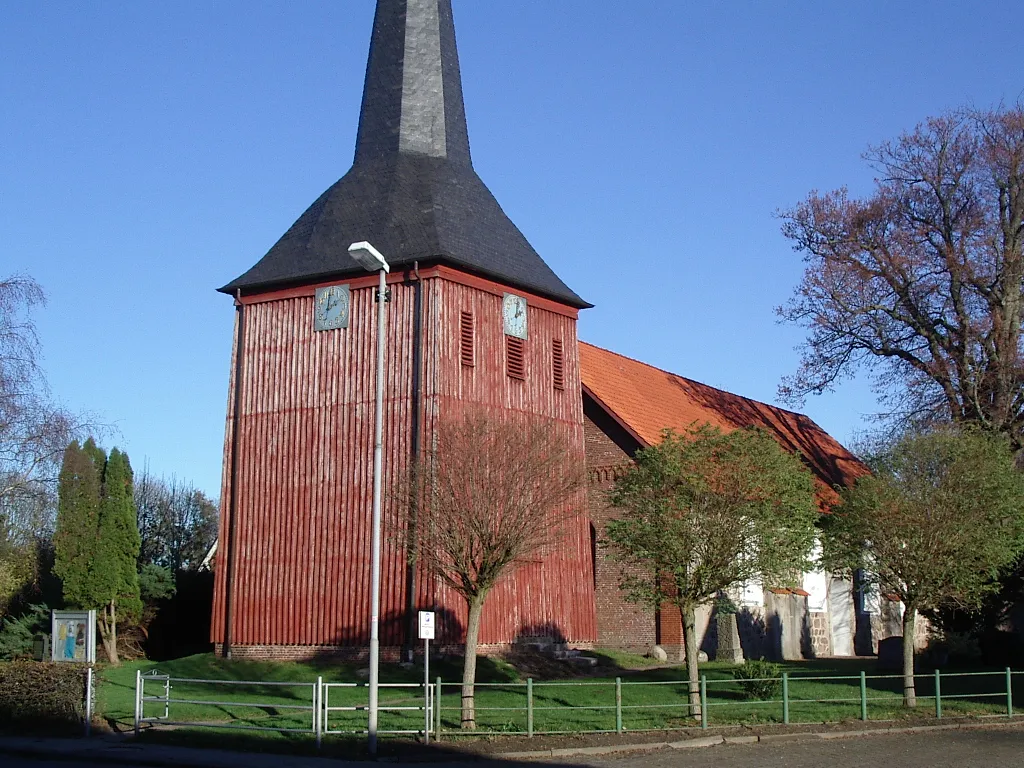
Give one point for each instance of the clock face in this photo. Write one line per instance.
(513, 308)
(331, 308)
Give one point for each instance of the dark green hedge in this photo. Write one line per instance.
(39, 695)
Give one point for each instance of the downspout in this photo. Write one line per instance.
(236, 419)
(416, 440)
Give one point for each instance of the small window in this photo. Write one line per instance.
(466, 339)
(515, 358)
(557, 364)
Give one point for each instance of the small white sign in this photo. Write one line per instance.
(426, 625)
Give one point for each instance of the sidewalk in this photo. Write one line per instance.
(125, 751)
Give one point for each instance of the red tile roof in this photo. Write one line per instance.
(647, 400)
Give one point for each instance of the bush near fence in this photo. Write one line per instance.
(41, 696)
(759, 679)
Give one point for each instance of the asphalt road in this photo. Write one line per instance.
(962, 749)
(959, 749)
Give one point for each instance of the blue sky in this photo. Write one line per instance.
(151, 152)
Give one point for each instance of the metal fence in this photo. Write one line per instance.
(278, 707)
(354, 725)
(532, 708)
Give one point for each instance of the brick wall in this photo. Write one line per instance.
(609, 448)
(388, 654)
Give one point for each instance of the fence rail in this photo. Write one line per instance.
(532, 708)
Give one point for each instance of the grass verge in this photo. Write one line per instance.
(820, 691)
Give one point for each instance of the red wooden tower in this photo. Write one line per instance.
(293, 569)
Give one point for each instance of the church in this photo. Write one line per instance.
(475, 319)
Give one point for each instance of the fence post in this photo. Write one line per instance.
(785, 698)
(618, 705)
(863, 696)
(138, 699)
(88, 701)
(704, 701)
(1009, 692)
(167, 698)
(437, 710)
(938, 695)
(529, 707)
(428, 708)
(318, 711)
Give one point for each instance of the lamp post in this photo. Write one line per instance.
(371, 260)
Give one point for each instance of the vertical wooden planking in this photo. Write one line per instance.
(305, 466)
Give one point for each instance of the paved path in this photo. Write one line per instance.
(980, 748)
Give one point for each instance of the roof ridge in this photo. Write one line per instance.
(701, 383)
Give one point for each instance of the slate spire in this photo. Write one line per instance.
(412, 190)
(412, 99)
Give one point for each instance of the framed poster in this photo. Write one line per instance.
(73, 636)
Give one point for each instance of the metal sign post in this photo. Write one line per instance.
(426, 635)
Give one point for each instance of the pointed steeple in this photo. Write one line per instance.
(412, 99)
(412, 190)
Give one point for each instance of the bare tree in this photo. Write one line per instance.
(492, 495)
(923, 281)
(33, 434)
(33, 431)
(177, 522)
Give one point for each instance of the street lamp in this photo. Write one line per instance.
(370, 259)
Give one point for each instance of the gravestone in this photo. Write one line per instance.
(729, 648)
(890, 654)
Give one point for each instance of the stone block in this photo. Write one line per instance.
(658, 653)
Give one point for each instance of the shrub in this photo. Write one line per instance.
(1001, 648)
(17, 634)
(759, 679)
(41, 694)
(954, 649)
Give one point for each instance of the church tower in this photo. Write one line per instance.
(293, 572)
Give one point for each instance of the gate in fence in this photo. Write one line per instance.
(315, 708)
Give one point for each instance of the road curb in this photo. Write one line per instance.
(771, 738)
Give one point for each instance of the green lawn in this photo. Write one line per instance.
(652, 698)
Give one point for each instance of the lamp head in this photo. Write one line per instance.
(368, 257)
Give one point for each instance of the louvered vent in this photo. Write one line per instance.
(466, 339)
(515, 358)
(557, 364)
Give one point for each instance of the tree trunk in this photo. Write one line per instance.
(689, 615)
(909, 622)
(476, 607)
(108, 633)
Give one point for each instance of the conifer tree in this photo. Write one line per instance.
(97, 538)
(77, 527)
(115, 575)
